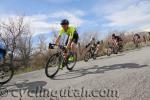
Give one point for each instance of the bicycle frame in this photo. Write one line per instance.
(61, 50)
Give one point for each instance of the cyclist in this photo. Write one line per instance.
(136, 39)
(94, 45)
(136, 36)
(117, 41)
(72, 39)
(2, 52)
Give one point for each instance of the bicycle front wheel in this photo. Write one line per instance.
(94, 56)
(52, 65)
(115, 50)
(6, 73)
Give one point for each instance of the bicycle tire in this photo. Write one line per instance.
(115, 50)
(50, 61)
(108, 52)
(7, 67)
(94, 56)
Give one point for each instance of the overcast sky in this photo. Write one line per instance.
(87, 15)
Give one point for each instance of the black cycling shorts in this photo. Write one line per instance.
(74, 39)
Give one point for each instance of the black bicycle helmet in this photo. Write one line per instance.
(98, 42)
(64, 22)
(113, 35)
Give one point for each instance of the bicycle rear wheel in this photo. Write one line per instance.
(87, 56)
(52, 65)
(70, 65)
(6, 73)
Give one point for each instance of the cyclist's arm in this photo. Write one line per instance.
(69, 43)
(59, 36)
(87, 45)
(57, 40)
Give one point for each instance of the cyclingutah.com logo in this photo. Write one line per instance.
(3, 92)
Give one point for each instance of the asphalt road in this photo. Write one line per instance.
(125, 76)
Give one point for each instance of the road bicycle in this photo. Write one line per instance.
(58, 61)
(90, 54)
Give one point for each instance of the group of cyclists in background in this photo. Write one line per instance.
(69, 50)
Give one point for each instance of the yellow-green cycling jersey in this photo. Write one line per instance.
(70, 32)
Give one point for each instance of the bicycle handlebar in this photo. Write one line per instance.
(51, 46)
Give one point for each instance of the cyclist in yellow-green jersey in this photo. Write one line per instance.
(72, 34)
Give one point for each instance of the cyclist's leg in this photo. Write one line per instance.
(65, 51)
(73, 47)
(139, 41)
(116, 46)
(72, 51)
(74, 43)
(120, 46)
(97, 49)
